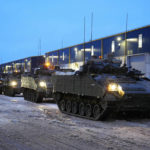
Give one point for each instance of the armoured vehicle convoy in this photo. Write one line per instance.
(11, 73)
(100, 88)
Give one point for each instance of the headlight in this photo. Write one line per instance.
(113, 87)
(13, 83)
(42, 84)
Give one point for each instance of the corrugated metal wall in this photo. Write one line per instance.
(138, 41)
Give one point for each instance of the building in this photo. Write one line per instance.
(26, 64)
(132, 47)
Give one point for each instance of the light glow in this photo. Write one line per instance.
(92, 51)
(118, 38)
(100, 57)
(63, 57)
(120, 90)
(42, 84)
(13, 83)
(140, 41)
(76, 51)
(52, 58)
(16, 71)
(47, 64)
(113, 87)
(113, 46)
(132, 40)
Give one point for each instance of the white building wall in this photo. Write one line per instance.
(140, 62)
(147, 65)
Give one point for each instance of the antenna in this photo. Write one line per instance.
(125, 53)
(39, 47)
(91, 26)
(84, 43)
(92, 50)
(62, 42)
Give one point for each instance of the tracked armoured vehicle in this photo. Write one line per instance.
(1, 83)
(12, 84)
(101, 88)
(38, 85)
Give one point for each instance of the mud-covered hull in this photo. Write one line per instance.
(32, 91)
(1, 89)
(132, 102)
(10, 90)
(89, 97)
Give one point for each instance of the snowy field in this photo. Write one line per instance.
(29, 126)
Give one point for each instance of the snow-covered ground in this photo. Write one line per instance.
(29, 126)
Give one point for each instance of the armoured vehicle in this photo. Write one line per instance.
(100, 88)
(38, 85)
(1, 83)
(11, 84)
(12, 72)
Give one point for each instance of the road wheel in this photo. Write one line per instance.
(97, 112)
(32, 96)
(0, 91)
(68, 106)
(57, 97)
(74, 107)
(29, 94)
(88, 110)
(4, 91)
(25, 94)
(62, 105)
(38, 97)
(10, 91)
(81, 109)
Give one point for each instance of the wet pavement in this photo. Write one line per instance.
(28, 126)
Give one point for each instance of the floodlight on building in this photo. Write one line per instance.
(119, 38)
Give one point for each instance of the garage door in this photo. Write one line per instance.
(137, 62)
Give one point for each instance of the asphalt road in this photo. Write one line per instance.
(29, 126)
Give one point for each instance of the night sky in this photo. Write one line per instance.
(24, 23)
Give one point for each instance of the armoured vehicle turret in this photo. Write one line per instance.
(38, 85)
(101, 87)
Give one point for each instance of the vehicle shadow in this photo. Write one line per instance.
(49, 100)
(128, 116)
